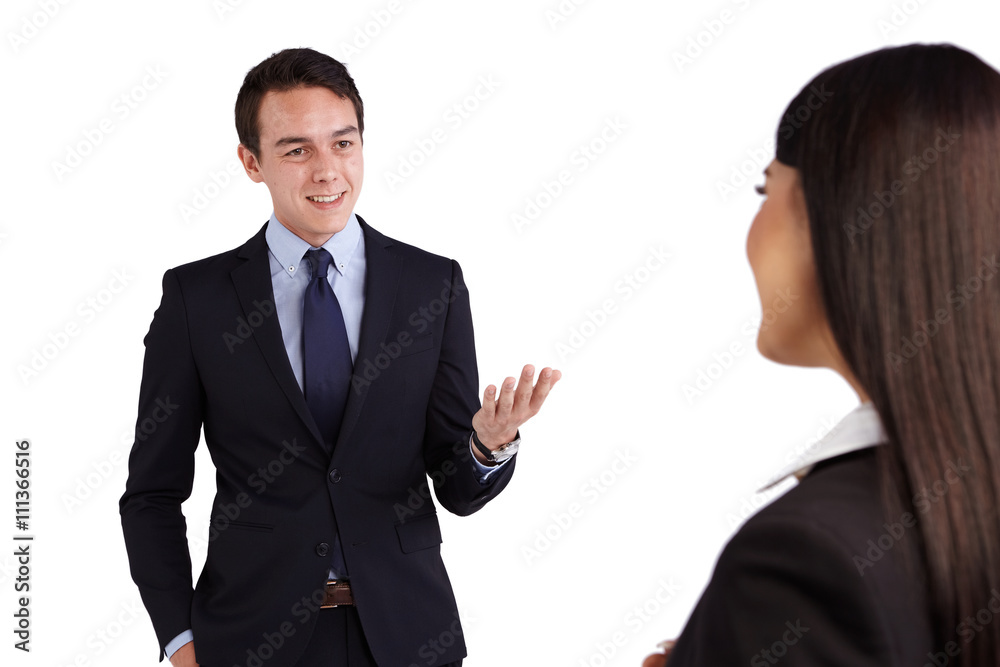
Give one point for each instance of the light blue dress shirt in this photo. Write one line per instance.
(290, 274)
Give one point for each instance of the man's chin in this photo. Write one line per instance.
(316, 233)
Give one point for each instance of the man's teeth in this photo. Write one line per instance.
(325, 200)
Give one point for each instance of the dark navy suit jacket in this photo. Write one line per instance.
(214, 353)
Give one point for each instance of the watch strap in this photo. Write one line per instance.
(481, 447)
(486, 451)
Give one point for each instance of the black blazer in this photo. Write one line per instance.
(788, 590)
(215, 360)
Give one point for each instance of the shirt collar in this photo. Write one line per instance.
(289, 249)
(859, 429)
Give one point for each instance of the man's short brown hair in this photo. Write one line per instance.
(286, 70)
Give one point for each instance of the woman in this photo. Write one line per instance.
(882, 210)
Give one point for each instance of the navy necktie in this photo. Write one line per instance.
(326, 353)
(327, 363)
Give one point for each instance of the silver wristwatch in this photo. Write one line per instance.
(502, 453)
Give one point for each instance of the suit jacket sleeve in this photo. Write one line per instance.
(784, 591)
(454, 400)
(161, 468)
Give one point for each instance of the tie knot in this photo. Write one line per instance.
(320, 261)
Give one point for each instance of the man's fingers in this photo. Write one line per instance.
(506, 400)
(514, 402)
(546, 380)
(667, 645)
(522, 396)
(490, 402)
(655, 660)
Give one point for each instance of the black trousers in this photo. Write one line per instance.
(338, 641)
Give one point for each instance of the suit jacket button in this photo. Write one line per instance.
(335, 476)
(322, 549)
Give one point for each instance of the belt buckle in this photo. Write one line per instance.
(329, 584)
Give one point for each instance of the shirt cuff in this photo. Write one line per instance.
(178, 641)
(483, 473)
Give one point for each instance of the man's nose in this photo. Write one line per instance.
(325, 168)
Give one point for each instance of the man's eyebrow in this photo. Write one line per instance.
(767, 171)
(344, 131)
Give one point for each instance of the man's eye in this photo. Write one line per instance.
(295, 152)
(760, 190)
(344, 143)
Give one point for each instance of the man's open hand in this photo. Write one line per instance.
(497, 421)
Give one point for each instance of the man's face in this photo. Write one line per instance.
(310, 159)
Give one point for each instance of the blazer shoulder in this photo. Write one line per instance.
(222, 263)
(827, 549)
(836, 511)
(814, 529)
(839, 491)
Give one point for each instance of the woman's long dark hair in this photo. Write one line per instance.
(898, 152)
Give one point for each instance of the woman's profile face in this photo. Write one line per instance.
(793, 329)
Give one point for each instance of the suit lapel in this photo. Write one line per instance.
(381, 282)
(252, 280)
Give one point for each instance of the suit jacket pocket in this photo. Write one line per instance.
(418, 344)
(249, 525)
(422, 532)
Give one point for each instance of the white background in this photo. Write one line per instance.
(533, 592)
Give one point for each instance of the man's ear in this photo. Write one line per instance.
(250, 163)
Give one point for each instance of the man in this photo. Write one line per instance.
(333, 370)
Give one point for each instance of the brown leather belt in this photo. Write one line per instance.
(338, 594)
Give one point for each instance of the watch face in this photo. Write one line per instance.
(505, 452)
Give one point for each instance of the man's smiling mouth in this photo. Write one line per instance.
(325, 200)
